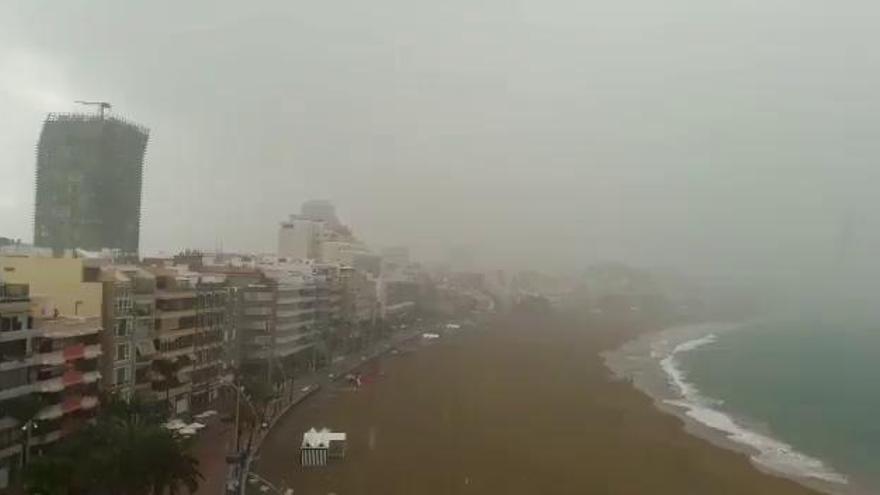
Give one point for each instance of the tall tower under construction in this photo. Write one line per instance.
(89, 177)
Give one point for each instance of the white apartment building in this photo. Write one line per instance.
(300, 238)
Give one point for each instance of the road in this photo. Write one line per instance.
(215, 441)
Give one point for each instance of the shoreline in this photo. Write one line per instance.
(647, 362)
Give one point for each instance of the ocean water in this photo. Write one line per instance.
(804, 393)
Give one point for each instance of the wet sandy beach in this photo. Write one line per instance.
(523, 407)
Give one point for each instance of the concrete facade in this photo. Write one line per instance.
(89, 181)
(300, 238)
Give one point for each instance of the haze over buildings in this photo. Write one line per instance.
(717, 137)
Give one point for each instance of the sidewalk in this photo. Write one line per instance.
(215, 441)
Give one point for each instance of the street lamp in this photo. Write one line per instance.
(239, 458)
(28, 429)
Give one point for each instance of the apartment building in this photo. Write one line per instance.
(176, 323)
(16, 331)
(128, 314)
(66, 370)
(300, 238)
(275, 319)
(276, 325)
(49, 375)
(194, 337)
(214, 358)
(91, 286)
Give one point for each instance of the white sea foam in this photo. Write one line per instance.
(771, 453)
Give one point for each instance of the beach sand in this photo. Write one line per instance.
(525, 406)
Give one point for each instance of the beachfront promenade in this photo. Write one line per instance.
(215, 442)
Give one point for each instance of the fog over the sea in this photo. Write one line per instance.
(721, 137)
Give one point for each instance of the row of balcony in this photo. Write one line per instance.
(67, 406)
(168, 295)
(70, 353)
(70, 378)
(280, 350)
(284, 339)
(54, 328)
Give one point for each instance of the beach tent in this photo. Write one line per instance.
(319, 445)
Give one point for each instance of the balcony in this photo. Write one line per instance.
(67, 327)
(260, 325)
(69, 353)
(69, 378)
(169, 335)
(296, 337)
(14, 306)
(258, 296)
(213, 309)
(15, 362)
(258, 311)
(289, 313)
(176, 353)
(13, 392)
(178, 313)
(67, 406)
(170, 295)
(13, 335)
(280, 351)
(47, 438)
(292, 325)
(295, 300)
(11, 450)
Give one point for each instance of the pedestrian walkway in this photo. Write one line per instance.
(215, 442)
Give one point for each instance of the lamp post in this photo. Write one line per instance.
(28, 428)
(234, 484)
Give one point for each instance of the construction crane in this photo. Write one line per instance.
(102, 105)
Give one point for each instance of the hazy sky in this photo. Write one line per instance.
(711, 134)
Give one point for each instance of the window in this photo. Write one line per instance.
(121, 352)
(122, 376)
(123, 303)
(121, 327)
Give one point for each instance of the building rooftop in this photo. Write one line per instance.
(68, 326)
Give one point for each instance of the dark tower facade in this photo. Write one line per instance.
(89, 178)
